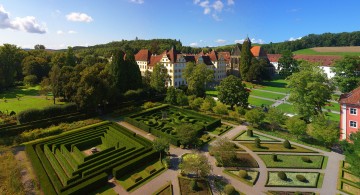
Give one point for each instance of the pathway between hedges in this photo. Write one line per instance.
(330, 172)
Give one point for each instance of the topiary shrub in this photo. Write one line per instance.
(301, 178)
(274, 157)
(182, 146)
(306, 159)
(229, 189)
(287, 144)
(282, 175)
(257, 143)
(194, 185)
(250, 133)
(243, 174)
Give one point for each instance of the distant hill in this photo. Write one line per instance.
(330, 51)
(313, 40)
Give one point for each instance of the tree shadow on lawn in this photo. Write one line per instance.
(14, 93)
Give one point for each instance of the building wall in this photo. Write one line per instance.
(346, 118)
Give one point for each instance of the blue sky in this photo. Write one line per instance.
(61, 23)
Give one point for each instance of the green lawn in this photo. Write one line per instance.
(278, 85)
(310, 51)
(333, 116)
(276, 147)
(212, 93)
(29, 98)
(333, 106)
(269, 95)
(292, 161)
(106, 190)
(274, 180)
(221, 130)
(244, 137)
(287, 108)
(258, 102)
(250, 179)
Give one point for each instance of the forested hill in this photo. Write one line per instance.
(313, 40)
(156, 46)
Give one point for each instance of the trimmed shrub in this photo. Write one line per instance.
(287, 144)
(250, 133)
(257, 143)
(151, 169)
(301, 178)
(306, 159)
(243, 174)
(282, 175)
(194, 185)
(229, 189)
(136, 177)
(274, 157)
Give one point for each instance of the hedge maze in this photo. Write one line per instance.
(162, 121)
(63, 167)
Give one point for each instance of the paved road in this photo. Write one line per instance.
(330, 172)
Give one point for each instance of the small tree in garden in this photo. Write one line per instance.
(296, 126)
(255, 117)
(287, 144)
(208, 104)
(243, 174)
(306, 159)
(229, 189)
(220, 108)
(223, 150)
(275, 117)
(195, 163)
(274, 157)
(161, 145)
(194, 185)
(257, 143)
(186, 133)
(250, 133)
(282, 175)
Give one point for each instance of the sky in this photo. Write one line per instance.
(58, 24)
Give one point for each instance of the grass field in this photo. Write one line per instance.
(278, 85)
(250, 179)
(28, 98)
(258, 102)
(333, 116)
(331, 51)
(274, 96)
(244, 137)
(292, 161)
(274, 180)
(333, 106)
(287, 108)
(276, 147)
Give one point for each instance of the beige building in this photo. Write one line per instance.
(175, 62)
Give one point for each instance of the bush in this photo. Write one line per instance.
(30, 80)
(243, 174)
(301, 178)
(274, 157)
(229, 189)
(282, 175)
(257, 143)
(287, 144)
(240, 110)
(306, 159)
(194, 185)
(148, 105)
(250, 133)
(220, 108)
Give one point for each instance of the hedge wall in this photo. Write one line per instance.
(55, 165)
(64, 163)
(88, 185)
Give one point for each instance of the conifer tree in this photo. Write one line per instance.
(245, 59)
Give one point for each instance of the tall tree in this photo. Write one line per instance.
(324, 130)
(37, 66)
(10, 61)
(171, 96)
(134, 79)
(347, 73)
(161, 145)
(296, 126)
(223, 150)
(158, 78)
(352, 153)
(287, 64)
(233, 92)
(255, 117)
(310, 90)
(38, 47)
(195, 163)
(118, 72)
(275, 117)
(70, 58)
(54, 77)
(245, 59)
(187, 134)
(196, 77)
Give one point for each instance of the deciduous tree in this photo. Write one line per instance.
(195, 163)
(275, 117)
(223, 150)
(232, 92)
(287, 64)
(347, 76)
(158, 78)
(187, 134)
(197, 77)
(161, 145)
(296, 126)
(324, 130)
(255, 117)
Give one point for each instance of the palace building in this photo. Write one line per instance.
(349, 113)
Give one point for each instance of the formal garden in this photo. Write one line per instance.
(293, 179)
(347, 181)
(80, 161)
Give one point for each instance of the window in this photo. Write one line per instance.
(353, 124)
(353, 111)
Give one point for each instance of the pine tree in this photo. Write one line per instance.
(245, 59)
(118, 72)
(134, 79)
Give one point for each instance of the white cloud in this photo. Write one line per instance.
(26, 24)
(294, 39)
(195, 44)
(59, 32)
(137, 1)
(72, 32)
(207, 10)
(204, 4)
(79, 17)
(230, 2)
(196, 2)
(253, 40)
(220, 41)
(218, 5)
(216, 17)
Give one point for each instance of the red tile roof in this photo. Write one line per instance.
(352, 97)
(143, 55)
(213, 56)
(226, 55)
(323, 60)
(154, 59)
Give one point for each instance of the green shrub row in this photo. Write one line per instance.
(64, 163)
(131, 165)
(101, 161)
(89, 185)
(110, 141)
(108, 165)
(55, 165)
(78, 155)
(172, 139)
(43, 178)
(143, 141)
(91, 142)
(149, 111)
(112, 153)
(49, 169)
(144, 179)
(78, 138)
(138, 124)
(69, 157)
(30, 115)
(104, 152)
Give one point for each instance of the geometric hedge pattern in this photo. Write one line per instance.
(63, 167)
